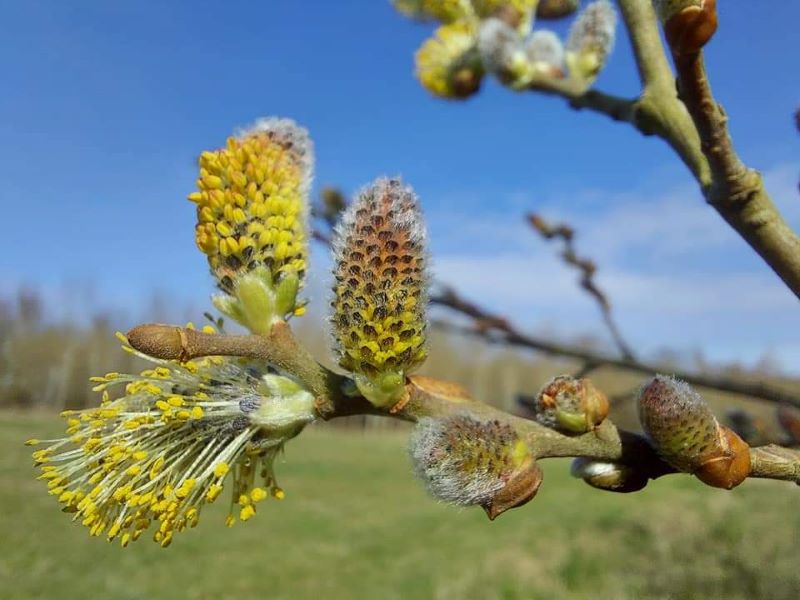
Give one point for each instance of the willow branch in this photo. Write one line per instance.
(735, 191)
(614, 107)
(657, 110)
(429, 398)
(775, 462)
(497, 329)
(280, 348)
(587, 269)
(696, 128)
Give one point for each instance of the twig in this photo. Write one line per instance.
(587, 268)
(695, 127)
(497, 329)
(736, 192)
(433, 398)
(280, 348)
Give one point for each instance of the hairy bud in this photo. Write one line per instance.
(571, 405)
(448, 64)
(685, 433)
(545, 53)
(591, 39)
(688, 24)
(556, 9)
(609, 476)
(251, 220)
(502, 51)
(466, 461)
(380, 290)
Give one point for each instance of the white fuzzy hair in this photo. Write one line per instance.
(440, 471)
(289, 131)
(499, 45)
(594, 29)
(544, 46)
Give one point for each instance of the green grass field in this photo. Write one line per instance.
(355, 524)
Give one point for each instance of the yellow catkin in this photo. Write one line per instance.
(135, 463)
(379, 297)
(446, 64)
(251, 202)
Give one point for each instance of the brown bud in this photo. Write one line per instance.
(465, 80)
(518, 490)
(688, 24)
(438, 388)
(730, 468)
(571, 405)
(162, 341)
(556, 9)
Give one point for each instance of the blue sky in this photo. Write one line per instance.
(104, 106)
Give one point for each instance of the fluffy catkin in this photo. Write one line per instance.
(679, 422)
(252, 202)
(447, 64)
(545, 51)
(502, 51)
(591, 39)
(685, 433)
(463, 460)
(379, 294)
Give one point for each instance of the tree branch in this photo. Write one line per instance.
(703, 142)
(658, 109)
(587, 268)
(280, 349)
(736, 192)
(431, 398)
(498, 329)
(695, 127)
(614, 107)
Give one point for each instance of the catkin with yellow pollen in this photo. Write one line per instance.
(466, 461)
(380, 298)
(448, 64)
(252, 205)
(180, 434)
